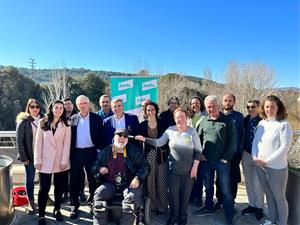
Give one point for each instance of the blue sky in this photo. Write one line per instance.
(164, 36)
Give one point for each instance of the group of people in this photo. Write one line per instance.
(169, 158)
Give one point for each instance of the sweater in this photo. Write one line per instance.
(184, 147)
(272, 141)
(218, 138)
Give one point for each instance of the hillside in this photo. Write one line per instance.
(17, 86)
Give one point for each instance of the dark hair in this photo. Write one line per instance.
(48, 119)
(202, 107)
(31, 100)
(67, 99)
(257, 102)
(173, 98)
(228, 93)
(281, 113)
(103, 96)
(154, 105)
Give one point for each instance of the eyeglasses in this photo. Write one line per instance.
(123, 135)
(150, 110)
(251, 106)
(34, 106)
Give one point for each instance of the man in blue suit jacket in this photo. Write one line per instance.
(119, 120)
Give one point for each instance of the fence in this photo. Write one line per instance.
(7, 139)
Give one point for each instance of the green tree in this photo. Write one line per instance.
(15, 89)
(92, 86)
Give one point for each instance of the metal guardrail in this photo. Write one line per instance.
(7, 139)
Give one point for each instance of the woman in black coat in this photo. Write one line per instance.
(157, 186)
(26, 129)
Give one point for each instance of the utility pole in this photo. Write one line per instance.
(32, 63)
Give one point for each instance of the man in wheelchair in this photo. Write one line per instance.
(120, 168)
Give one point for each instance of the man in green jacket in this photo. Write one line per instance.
(218, 135)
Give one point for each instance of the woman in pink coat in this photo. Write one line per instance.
(51, 156)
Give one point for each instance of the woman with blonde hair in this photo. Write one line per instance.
(27, 123)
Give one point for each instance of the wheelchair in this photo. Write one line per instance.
(114, 209)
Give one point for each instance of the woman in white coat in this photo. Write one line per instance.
(51, 156)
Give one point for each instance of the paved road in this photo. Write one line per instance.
(23, 218)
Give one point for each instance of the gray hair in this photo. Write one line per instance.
(211, 98)
(82, 97)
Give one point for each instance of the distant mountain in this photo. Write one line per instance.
(289, 89)
(45, 75)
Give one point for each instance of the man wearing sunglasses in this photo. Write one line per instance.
(120, 167)
(253, 187)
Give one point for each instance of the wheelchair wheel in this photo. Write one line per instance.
(147, 210)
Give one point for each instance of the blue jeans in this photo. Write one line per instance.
(223, 174)
(30, 174)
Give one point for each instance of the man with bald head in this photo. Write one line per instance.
(218, 136)
(87, 137)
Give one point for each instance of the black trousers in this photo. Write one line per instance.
(60, 180)
(82, 160)
(180, 187)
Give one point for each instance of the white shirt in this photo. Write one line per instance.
(119, 123)
(272, 142)
(83, 139)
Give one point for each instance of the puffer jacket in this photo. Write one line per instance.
(135, 162)
(24, 137)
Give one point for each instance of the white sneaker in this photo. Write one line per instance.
(268, 222)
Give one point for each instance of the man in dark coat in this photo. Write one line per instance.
(87, 136)
(121, 167)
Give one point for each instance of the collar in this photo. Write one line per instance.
(120, 118)
(84, 118)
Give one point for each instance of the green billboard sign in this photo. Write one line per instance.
(134, 90)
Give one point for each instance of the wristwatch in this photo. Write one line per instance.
(223, 161)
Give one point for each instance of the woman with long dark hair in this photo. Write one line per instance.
(51, 156)
(157, 182)
(27, 123)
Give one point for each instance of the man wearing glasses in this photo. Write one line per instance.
(121, 168)
(253, 187)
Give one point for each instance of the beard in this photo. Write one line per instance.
(119, 145)
(229, 108)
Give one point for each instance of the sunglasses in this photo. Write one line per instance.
(34, 106)
(251, 107)
(123, 135)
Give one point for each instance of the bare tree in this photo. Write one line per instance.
(58, 88)
(248, 81)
